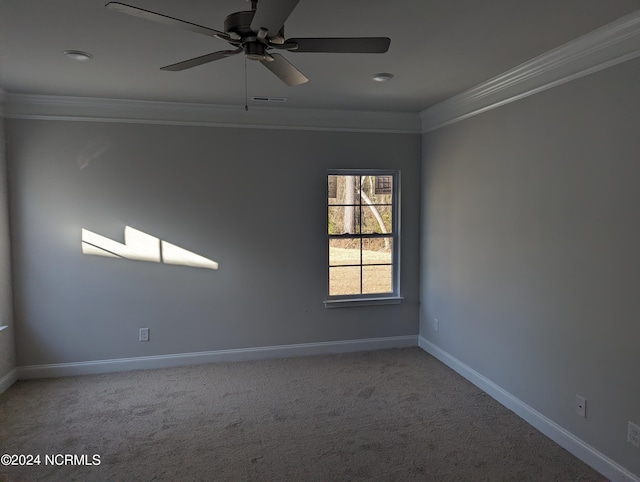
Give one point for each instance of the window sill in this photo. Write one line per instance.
(351, 302)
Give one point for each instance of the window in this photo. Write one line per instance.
(363, 237)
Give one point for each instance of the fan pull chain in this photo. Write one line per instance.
(246, 89)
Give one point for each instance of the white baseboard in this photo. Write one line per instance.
(8, 380)
(198, 358)
(600, 462)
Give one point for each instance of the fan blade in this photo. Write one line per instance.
(284, 70)
(271, 15)
(156, 17)
(361, 45)
(187, 64)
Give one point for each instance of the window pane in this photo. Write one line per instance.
(377, 219)
(344, 281)
(376, 279)
(343, 189)
(344, 251)
(377, 189)
(377, 251)
(344, 220)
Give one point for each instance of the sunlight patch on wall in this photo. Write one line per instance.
(142, 247)
(172, 254)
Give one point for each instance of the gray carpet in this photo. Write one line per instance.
(390, 415)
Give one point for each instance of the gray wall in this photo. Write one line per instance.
(252, 200)
(530, 251)
(7, 354)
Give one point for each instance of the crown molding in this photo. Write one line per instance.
(600, 49)
(87, 109)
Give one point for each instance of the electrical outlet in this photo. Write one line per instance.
(633, 434)
(581, 406)
(436, 324)
(144, 334)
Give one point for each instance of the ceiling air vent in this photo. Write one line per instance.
(269, 99)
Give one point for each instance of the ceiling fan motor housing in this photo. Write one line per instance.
(239, 25)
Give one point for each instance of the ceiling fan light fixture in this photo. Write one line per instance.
(382, 77)
(78, 55)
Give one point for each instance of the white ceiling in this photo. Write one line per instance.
(438, 49)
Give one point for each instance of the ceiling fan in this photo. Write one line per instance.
(258, 32)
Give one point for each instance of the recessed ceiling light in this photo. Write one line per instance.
(382, 77)
(78, 55)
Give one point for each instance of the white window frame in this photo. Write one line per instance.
(338, 301)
